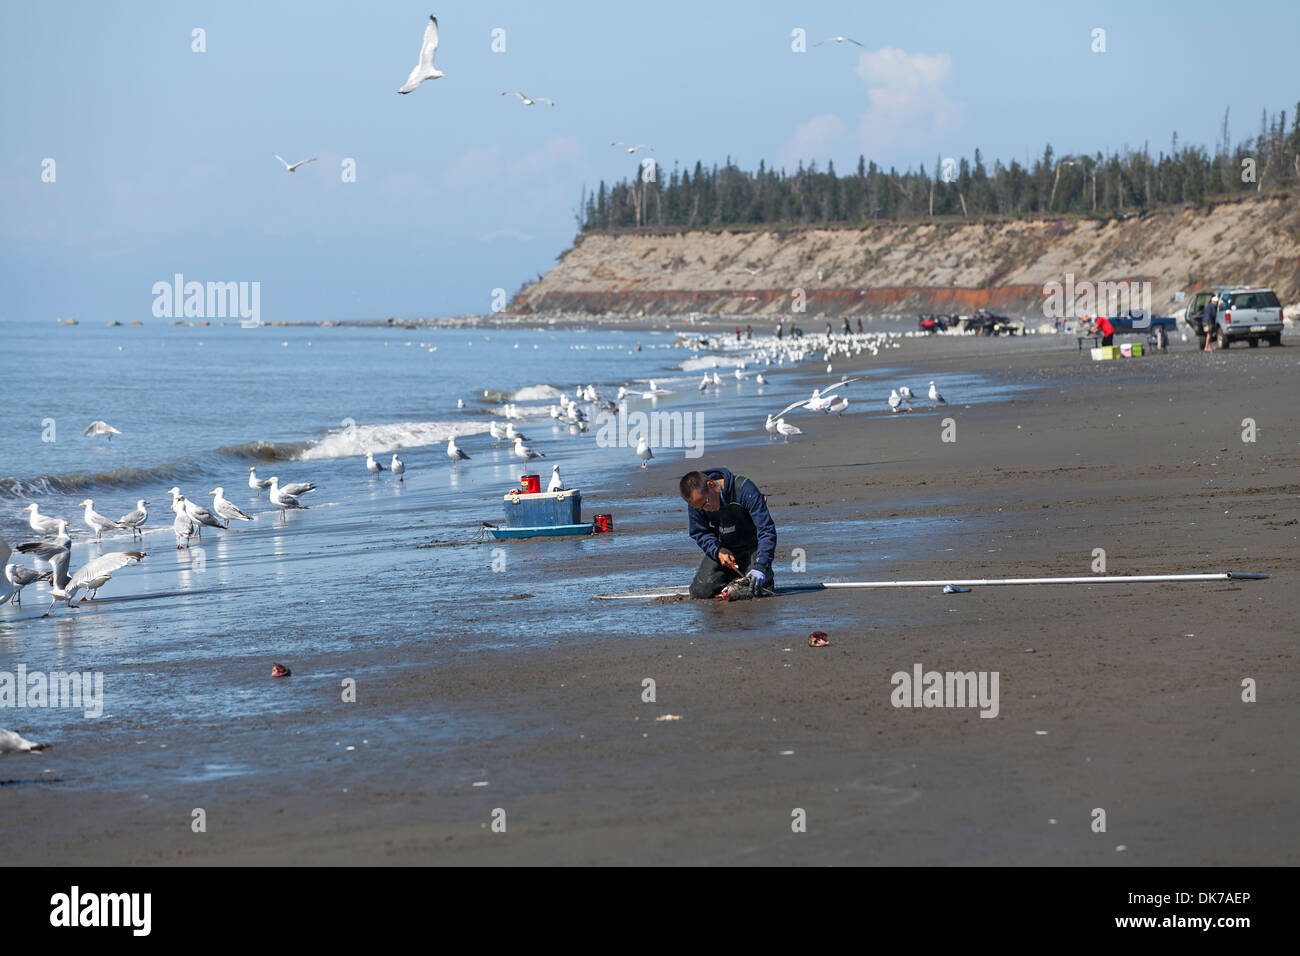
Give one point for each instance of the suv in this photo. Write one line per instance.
(1250, 314)
(1195, 310)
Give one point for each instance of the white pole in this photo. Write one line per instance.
(1093, 579)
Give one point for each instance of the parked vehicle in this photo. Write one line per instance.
(1249, 314)
(1195, 311)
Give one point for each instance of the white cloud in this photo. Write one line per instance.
(907, 100)
(814, 139)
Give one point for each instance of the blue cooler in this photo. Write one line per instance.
(546, 509)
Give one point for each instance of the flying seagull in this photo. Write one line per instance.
(292, 166)
(89, 578)
(633, 149)
(424, 69)
(101, 428)
(837, 40)
(529, 100)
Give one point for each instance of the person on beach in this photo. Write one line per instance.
(1208, 319)
(1101, 326)
(859, 325)
(778, 331)
(729, 520)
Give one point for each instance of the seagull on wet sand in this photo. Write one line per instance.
(373, 466)
(183, 526)
(96, 521)
(894, 400)
(13, 743)
(787, 430)
(39, 522)
(906, 394)
(454, 453)
(643, 451)
(200, 515)
(135, 519)
(770, 427)
(226, 509)
(498, 433)
(297, 488)
(398, 467)
(935, 397)
(19, 576)
(257, 484)
(282, 499)
(293, 166)
(53, 554)
(90, 578)
(424, 69)
(838, 407)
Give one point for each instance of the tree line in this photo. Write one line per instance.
(1123, 182)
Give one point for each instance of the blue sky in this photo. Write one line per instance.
(163, 156)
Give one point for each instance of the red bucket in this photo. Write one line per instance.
(602, 524)
(532, 484)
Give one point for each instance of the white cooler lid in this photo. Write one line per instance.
(553, 495)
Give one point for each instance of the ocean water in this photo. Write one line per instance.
(375, 566)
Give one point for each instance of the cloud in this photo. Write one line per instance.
(814, 139)
(907, 100)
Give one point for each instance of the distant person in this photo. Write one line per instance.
(859, 325)
(828, 330)
(1208, 318)
(749, 332)
(1162, 338)
(1101, 326)
(778, 331)
(737, 333)
(728, 518)
(848, 330)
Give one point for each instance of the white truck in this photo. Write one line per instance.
(1250, 314)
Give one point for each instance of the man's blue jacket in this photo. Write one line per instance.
(704, 525)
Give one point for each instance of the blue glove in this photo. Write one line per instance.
(758, 577)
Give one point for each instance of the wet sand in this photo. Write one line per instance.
(1138, 687)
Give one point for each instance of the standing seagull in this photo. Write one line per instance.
(226, 508)
(198, 514)
(524, 452)
(293, 166)
(838, 407)
(643, 451)
(257, 484)
(787, 430)
(183, 526)
(935, 397)
(55, 554)
(894, 400)
(770, 427)
(424, 69)
(373, 466)
(906, 394)
(135, 519)
(454, 453)
(557, 484)
(19, 576)
(39, 522)
(101, 428)
(296, 488)
(96, 521)
(528, 100)
(283, 500)
(398, 468)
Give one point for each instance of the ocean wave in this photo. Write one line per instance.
(363, 439)
(537, 393)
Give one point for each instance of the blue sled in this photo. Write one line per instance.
(549, 531)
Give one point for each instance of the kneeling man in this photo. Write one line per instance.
(730, 522)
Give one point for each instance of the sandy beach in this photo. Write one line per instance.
(1126, 698)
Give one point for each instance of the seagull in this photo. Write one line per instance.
(293, 166)
(282, 499)
(135, 519)
(760, 379)
(225, 508)
(197, 513)
(524, 452)
(894, 400)
(704, 382)
(101, 428)
(54, 553)
(770, 427)
(513, 435)
(787, 430)
(257, 484)
(454, 453)
(528, 100)
(837, 40)
(89, 578)
(12, 743)
(838, 407)
(183, 526)
(19, 576)
(557, 484)
(424, 69)
(643, 451)
(633, 149)
(297, 488)
(820, 400)
(935, 397)
(373, 466)
(398, 468)
(906, 394)
(39, 522)
(498, 433)
(96, 521)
